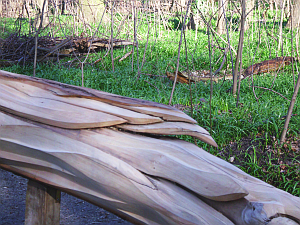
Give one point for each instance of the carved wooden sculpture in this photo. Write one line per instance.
(109, 150)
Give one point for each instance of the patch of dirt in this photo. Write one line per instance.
(74, 211)
(267, 157)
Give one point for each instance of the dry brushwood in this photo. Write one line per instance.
(110, 150)
(16, 49)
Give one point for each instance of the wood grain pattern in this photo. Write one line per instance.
(42, 204)
(268, 66)
(146, 179)
(172, 128)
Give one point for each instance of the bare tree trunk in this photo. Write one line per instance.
(112, 35)
(198, 19)
(191, 24)
(277, 5)
(92, 10)
(240, 48)
(171, 6)
(178, 54)
(297, 44)
(271, 3)
(55, 4)
(212, 5)
(39, 6)
(280, 43)
(294, 18)
(1, 8)
(249, 10)
(221, 25)
(181, 4)
(289, 115)
(37, 34)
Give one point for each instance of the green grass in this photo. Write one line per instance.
(259, 121)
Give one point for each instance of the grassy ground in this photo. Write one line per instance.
(247, 135)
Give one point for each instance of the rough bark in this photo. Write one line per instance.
(92, 10)
(221, 25)
(240, 49)
(294, 19)
(1, 8)
(271, 3)
(268, 66)
(249, 10)
(290, 111)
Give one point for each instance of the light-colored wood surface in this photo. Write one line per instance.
(146, 179)
(282, 221)
(42, 204)
(172, 128)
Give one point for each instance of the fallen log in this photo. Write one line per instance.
(196, 76)
(268, 66)
(96, 146)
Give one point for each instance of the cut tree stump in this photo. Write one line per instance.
(42, 204)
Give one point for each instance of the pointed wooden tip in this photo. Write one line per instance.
(172, 128)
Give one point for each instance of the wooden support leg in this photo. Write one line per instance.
(42, 204)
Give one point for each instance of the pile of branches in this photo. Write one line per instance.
(18, 48)
(21, 49)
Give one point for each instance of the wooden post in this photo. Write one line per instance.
(42, 204)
